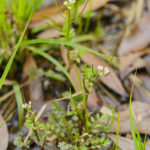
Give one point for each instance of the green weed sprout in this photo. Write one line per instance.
(67, 134)
(138, 144)
(71, 13)
(72, 130)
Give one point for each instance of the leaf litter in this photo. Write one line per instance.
(132, 49)
(4, 134)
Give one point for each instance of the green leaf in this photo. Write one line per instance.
(92, 119)
(57, 130)
(55, 76)
(94, 131)
(106, 142)
(83, 148)
(102, 139)
(97, 116)
(78, 98)
(19, 100)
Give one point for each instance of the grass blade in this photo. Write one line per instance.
(1, 125)
(117, 133)
(68, 43)
(4, 75)
(136, 145)
(54, 61)
(19, 100)
(140, 143)
(144, 144)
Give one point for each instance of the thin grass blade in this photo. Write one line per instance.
(19, 100)
(117, 133)
(1, 125)
(8, 66)
(141, 145)
(136, 145)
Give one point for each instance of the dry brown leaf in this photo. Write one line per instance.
(51, 33)
(138, 38)
(37, 19)
(34, 89)
(124, 143)
(110, 99)
(93, 99)
(140, 92)
(46, 12)
(138, 63)
(141, 116)
(112, 81)
(132, 61)
(74, 77)
(145, 80)
(63, 52)
(4, 136)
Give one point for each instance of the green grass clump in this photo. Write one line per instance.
(9, 64)
(11, 27)
(138, 143)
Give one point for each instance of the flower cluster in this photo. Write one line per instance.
(102, 70)
(26, 105)
(68, 3)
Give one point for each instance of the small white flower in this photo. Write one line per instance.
(85, 134)
(102, 71)
(100, 67)
(106, 70)
(71, 1)
(101, 74)
(24, 105)
(66, 3)
(69, 7)
(27, 105)
(29, 102)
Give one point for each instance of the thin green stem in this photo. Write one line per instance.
(37, 135)
(76, 108)
(75, 9)
(84, 101)
(67, 125)
(68, 32)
